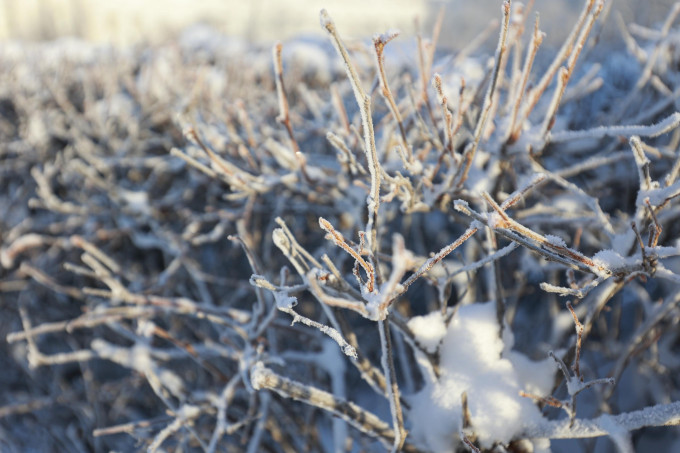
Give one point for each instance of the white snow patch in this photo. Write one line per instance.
(428, 330)
(617, 433)
(475, 360)
(665, 252)
(536, 377)
(284, 301)
(609, 259)
(137, 201)
(658, 196)
(373, 301)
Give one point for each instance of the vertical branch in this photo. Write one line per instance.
(576, 367)
(641, 162)
(284, 114)
(260, 309)
(336, 99)
(446, 113)
(534, 44)
(379, 42)
(364, 103)
(534, 95)
(651, 60)
(549, 120)
(425, 60)
(392, 385)
(338, 240)
(566, 72)
(469, 155)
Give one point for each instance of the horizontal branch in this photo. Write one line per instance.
(659, 415)
(366, 422)
(654, 130)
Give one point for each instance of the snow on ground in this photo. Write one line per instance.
(474, 359)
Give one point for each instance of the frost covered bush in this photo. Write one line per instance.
(352, 252)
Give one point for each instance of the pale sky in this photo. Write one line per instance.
(129, 21)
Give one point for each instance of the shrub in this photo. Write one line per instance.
(460, 257)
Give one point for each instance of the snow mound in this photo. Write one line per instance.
(474, 359)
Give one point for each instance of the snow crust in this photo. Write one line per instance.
(475, 360)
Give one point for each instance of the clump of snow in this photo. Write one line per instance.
(475, 360)
(284, 301)
(428, 330)
(494, 220)
(555, 240)
(373, 300)
(459, 205)
(137, 201)
(609, 259)
(325, 19)
(658, 196)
